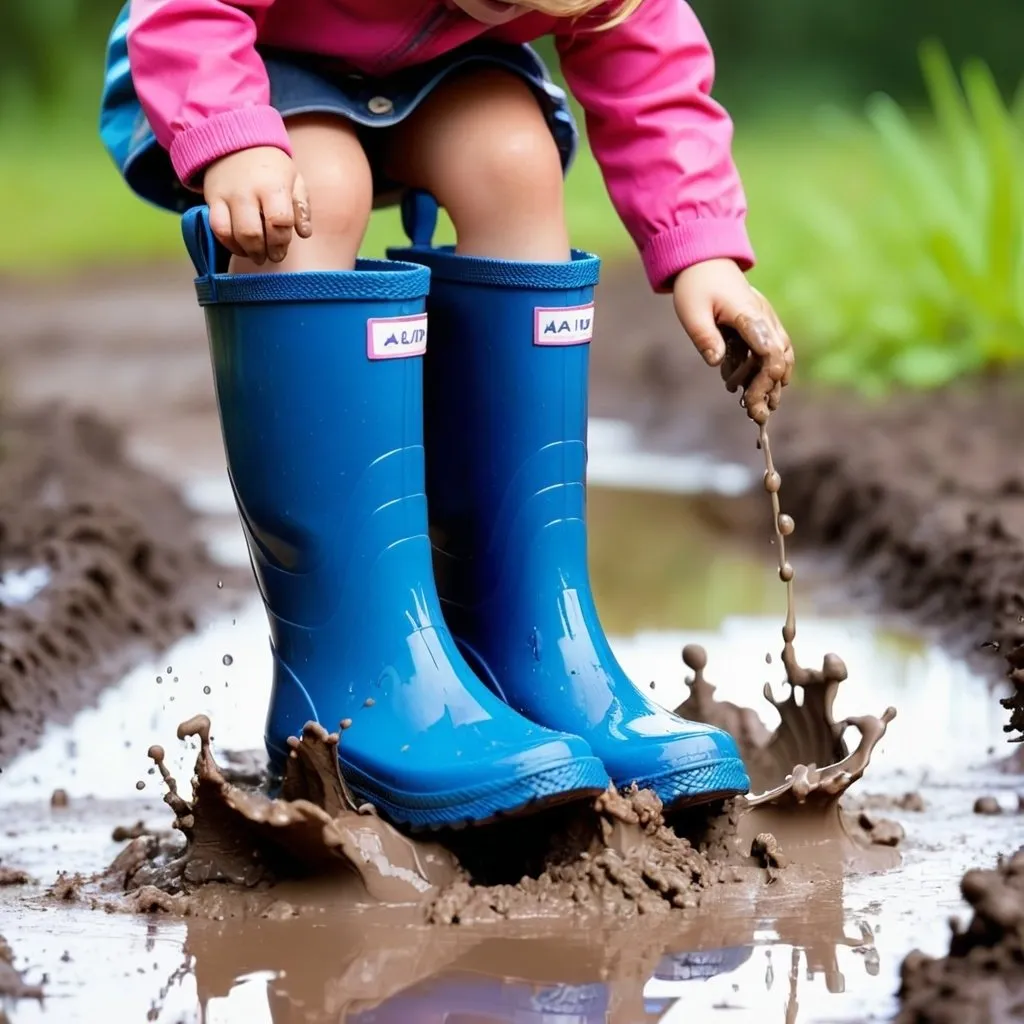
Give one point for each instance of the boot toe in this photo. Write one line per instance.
(684, 763)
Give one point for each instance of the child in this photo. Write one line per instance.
(293, 119)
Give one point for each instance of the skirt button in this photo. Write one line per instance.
(380, 105)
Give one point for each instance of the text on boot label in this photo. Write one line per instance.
(570, 325)
(396, 337)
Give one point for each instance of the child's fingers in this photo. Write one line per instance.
(247, 227)
(300, 205)
(278, 222)
(702, 330)
(767, 348)
(220, 225)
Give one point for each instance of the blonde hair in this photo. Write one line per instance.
(577, 8)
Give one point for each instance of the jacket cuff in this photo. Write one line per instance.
(694, 241)
(194, 149)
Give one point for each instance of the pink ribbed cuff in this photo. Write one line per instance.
(695, 241)
(194, 149)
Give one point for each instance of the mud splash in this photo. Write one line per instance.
(982, 979)
(792, 798)
(617, 856)
(313, 828)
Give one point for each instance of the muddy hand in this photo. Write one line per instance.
(735, 328)
(758, 359)
(257, 200)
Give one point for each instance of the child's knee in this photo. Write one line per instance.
(331, 160)
(511, 171)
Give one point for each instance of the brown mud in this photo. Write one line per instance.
(12, 982)
(97, 559)
(981, 981)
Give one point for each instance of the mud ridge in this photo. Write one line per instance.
(981, 980)
(97, 557)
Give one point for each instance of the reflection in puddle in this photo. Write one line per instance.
(825, 948)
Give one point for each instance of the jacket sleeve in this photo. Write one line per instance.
(200, 81)
(663, 145)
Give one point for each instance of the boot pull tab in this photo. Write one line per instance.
(208, 256)
(419, 217)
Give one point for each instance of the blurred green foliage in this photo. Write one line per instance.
(923, 282)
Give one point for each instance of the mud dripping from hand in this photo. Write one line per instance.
(798, 772)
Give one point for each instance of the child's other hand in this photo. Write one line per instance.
(735, 328)
(257, 198)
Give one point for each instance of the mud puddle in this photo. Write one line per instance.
(826, 948)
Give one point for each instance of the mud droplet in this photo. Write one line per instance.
(652, 684)
(695, 657)
(140, 785)
(772, 481)
(768, 658)
(206, 690)
(169, 670)
(369, 702)
(786, 524)
(159, 679)
(345, 723)
(59, 798)
(786, 572)
(987, 805)
(220, 584)
(227, 659)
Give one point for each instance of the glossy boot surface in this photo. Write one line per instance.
(506, 416)
(319, 386)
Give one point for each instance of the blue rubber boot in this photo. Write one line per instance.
(319, 386)
(506, 422)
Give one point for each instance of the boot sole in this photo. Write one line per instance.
(702, 784)
(561, 783)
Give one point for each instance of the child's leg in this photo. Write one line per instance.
(330, 158)
(481, 147)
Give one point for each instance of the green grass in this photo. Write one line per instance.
(72, 209)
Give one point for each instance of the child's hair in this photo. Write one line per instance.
(576, 8)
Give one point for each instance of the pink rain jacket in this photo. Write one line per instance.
(663, 145)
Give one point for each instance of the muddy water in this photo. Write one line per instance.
(822, 948)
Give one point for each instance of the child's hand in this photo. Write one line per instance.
(734, 327)
(257, 198)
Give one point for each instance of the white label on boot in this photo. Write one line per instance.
(569, 325)
(396, 337)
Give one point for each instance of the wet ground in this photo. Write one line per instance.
(827, 950)
(821, 948)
